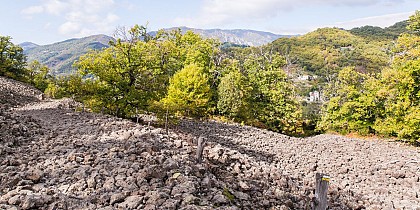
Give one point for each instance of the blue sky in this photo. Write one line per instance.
(49, 21)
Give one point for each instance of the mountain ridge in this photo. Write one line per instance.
(60, 56)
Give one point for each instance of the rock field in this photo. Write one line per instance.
(52, 157)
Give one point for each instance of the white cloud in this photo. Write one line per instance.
(222, 12)
(47, 25)
(69, 28)
(79, 17)
(381, 21)
(55, 7)
(32, 10)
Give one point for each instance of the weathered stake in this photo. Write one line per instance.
(200, 147)
(137, 116)
(166, 121)
(321, 190)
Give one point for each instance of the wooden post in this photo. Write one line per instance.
(200, 147)
(166, 122)
(321, 190)
(137, 116)
(102, 110)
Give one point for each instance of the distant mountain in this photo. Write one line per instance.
(235, 36)
(59, 57)
(28, 45)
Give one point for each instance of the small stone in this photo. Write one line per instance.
(220, 199)
(35, 175)
(243, 185)
(28, 203)
(131, 202)
(117, 198)
(15, 200)
(178, 143)
(170, 204)
(79, 159)
(91, 182)
(241, 196)
(64, 188)
(189, 199)
(185, 187)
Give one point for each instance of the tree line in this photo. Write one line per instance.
(369, 86)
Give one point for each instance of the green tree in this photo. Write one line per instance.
(189, 92)
(414, 22)
(273, 103)
(38, 75)
(12, 59)
(132, 73)
(353, 108)
(234, 94)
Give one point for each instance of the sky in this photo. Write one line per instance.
(48, 21)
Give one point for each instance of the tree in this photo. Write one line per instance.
(38, 75)
(234, 94)
(414, 22)
(12, 59)
(353, 108)
(189, 92)
(133, 72)
(272, 102)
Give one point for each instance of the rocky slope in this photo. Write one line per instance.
(52, 157)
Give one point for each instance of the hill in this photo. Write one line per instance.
(28, 45)
(378, 33)
(59, 57)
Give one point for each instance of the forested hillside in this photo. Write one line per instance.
(59, 57)
(357, 81)
(378, 33)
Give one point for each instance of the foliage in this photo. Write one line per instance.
(350, 110)
(38, 75)
(234, 94)
(12, 59)
(388, 105)
(189, 92)
(134, 72)
(378, 33)
(272, 100)
(414, 23)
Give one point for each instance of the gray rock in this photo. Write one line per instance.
(220, 199)
(117, 198)
(15, 200)
(131, 202)
(185, 187)
(170, 204)
(189, 199)
(35, 175)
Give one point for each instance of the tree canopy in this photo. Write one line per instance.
(12, 59)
